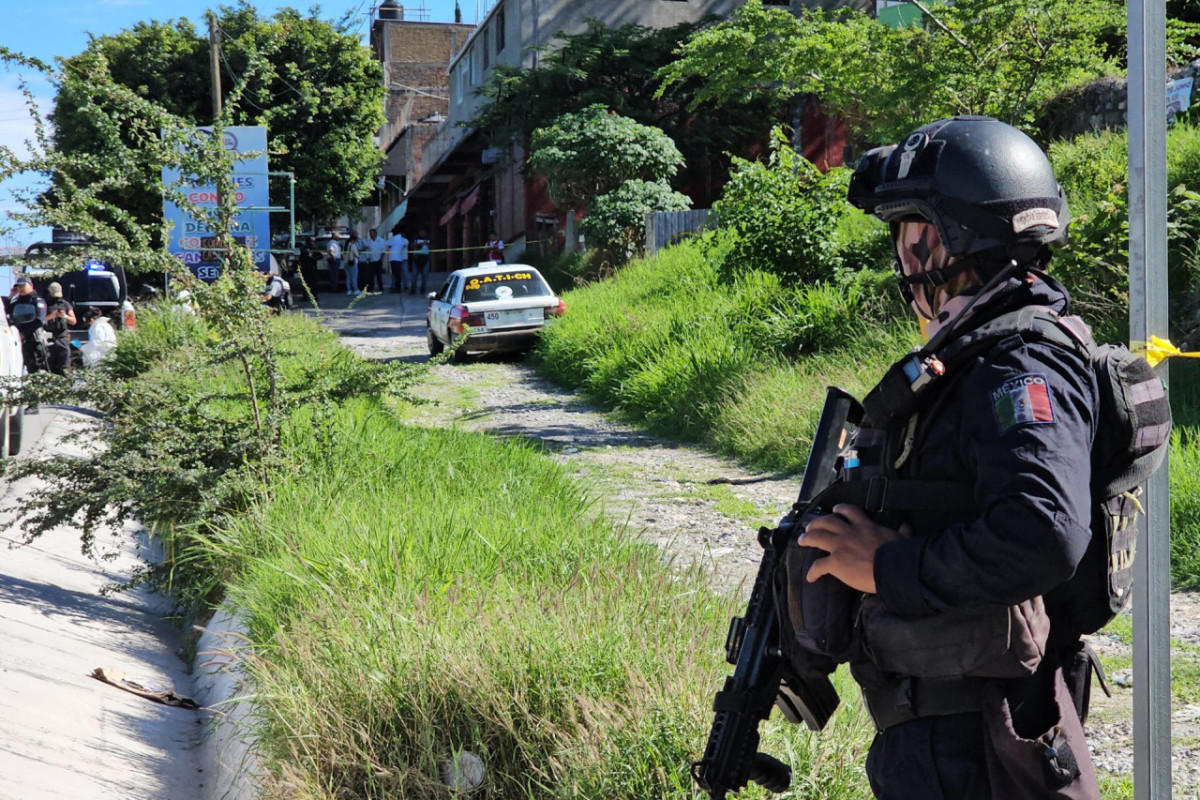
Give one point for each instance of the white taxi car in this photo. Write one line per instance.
(501, 307)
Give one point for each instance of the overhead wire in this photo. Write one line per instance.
(299, 92)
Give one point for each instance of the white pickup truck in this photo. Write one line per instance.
(12, 365)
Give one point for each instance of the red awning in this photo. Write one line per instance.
(471, 199)
(450, 214)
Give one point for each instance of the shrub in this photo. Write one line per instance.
(616, 221)
(1092, 169)
(785, 214)
(863, 241)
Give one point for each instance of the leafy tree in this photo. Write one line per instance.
(618, 168)
(587, 154)
(197, 407)
(785, 214)
(315, 87)
(617, 68)
(996, 57)
(616, 220)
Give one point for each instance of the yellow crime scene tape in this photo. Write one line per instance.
(1158, 350)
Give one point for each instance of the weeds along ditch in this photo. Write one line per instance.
(443, 593)
(413, 593)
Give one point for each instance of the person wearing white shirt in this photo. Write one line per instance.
(101, 338)
(397, 254)
(371, 275)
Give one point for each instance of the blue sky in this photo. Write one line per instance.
(61, 28)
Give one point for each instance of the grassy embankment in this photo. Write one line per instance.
(668, 343)
(413, 592)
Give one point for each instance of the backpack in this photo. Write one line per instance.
(1133, 428)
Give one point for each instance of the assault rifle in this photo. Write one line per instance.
(762, 676)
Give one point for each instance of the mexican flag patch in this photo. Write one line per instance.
(1023, 400)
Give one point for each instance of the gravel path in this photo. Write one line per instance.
(691, 504)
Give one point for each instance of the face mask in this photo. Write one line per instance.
(919, 250)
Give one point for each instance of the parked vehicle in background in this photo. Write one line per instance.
(98, 282)
(12, 366)
(503, 307)
(319, 275)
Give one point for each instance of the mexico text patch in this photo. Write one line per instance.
(1023, 400)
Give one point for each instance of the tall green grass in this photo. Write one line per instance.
(742, 365)
(411, 593)
(671, 345)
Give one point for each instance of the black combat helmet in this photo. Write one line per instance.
(986, 187)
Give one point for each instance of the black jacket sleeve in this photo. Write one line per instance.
(1029, 469)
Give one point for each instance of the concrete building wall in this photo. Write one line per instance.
(527, 23)
(521, 24)
(505, 35)
(414, 55)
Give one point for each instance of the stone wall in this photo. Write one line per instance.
(1100, 105)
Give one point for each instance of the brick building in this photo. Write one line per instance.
(414, 54)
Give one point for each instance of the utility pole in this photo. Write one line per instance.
(1148, 316)
(214, 46)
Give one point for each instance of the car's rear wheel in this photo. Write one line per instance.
(16, 431)
(435, 344)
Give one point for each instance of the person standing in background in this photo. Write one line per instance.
(60, 316)
(371, 271)
(397, 255)
(28, 314)
(419, 264)
(333, 255)
(494, 249)
(350, 264)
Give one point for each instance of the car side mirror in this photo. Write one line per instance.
(431, 296)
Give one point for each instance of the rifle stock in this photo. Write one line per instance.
(761, 677)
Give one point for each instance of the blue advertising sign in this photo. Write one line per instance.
(192, 241)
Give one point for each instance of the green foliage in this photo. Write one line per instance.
(785, 214)
(386, 636)
(616, 221)
(587, 154)
(1092, 170)
(676, 347)
(865, 243)
(616, 68)
(318, 91)
(1185, 508)
(1001, 59)
(198, 406)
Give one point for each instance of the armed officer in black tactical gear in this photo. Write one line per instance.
(959, 666)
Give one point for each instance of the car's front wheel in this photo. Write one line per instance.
(435, 344)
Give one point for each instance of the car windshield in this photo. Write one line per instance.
(503, 285)
(102, 287)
